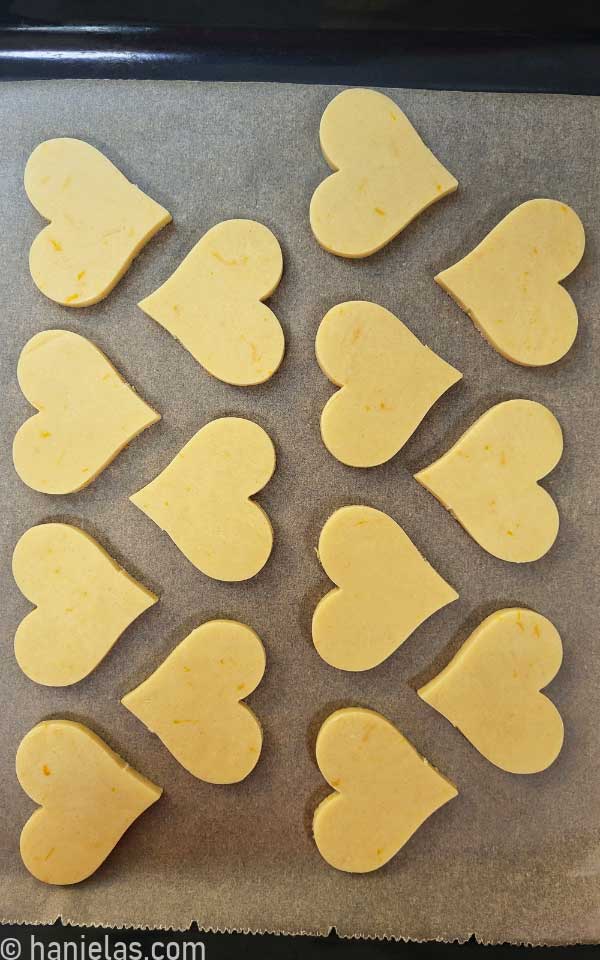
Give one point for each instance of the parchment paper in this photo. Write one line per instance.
(512, 858)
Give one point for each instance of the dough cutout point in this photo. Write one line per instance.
(509, 285)
(213, 303)
(490, 691)
(385, 589)
(99, 221)
(384, 175)
(388, 381)
(87, 413)
(488, 480)
(192, 701)
(202, 499)
(384, 790)
(87, 795)
(84, 601)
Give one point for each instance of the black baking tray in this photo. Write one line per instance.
(555, 61)
(449, 44)
(520, 46)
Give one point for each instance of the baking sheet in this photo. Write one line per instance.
(512, 858)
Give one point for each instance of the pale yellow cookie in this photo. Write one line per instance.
(384, 790)
(192, 701)
(385, 175)
(385, 589)
(488, 480)
(389, 381)
(509, 284)
(202, 499)
(87, 795)
(490, 691)
(87, 413)
(99, 221)
(213, 303)
(84, 601)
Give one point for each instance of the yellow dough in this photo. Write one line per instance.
(192, 701)
(99, 221)
(384, 790)
(488, 480)
(385, 175)
(509, 284)
(87, 413)
(84, 601)
(213, 304)
(491, 691)
(202, 499)
(385, 589)
(389, 381)
(87, 795)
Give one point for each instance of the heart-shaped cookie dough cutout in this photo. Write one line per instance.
(509, 284)
(213, 303)
(385, 589)
(488, 480)
(99, 221)
(389, 381)
(385, 175)
(84, 601)
(87, 413)
(192, 701)
(384, 790)
(490, 691)
(202, 499)
(87, 795)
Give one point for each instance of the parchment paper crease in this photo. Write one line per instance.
(512, 858)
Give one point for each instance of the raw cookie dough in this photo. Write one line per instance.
(213, 304)
(99, 221)
(488, 480)
(192, 701)
(509, 284)
(384, 790)
(87, 795)
(87, 413)
(490, 691)
(84, 601)
(385, 175)
(201, 499)
(389, 381)
(385, 589)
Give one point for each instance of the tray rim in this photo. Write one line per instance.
(554, 62)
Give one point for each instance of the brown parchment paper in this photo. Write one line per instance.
(512, 858)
